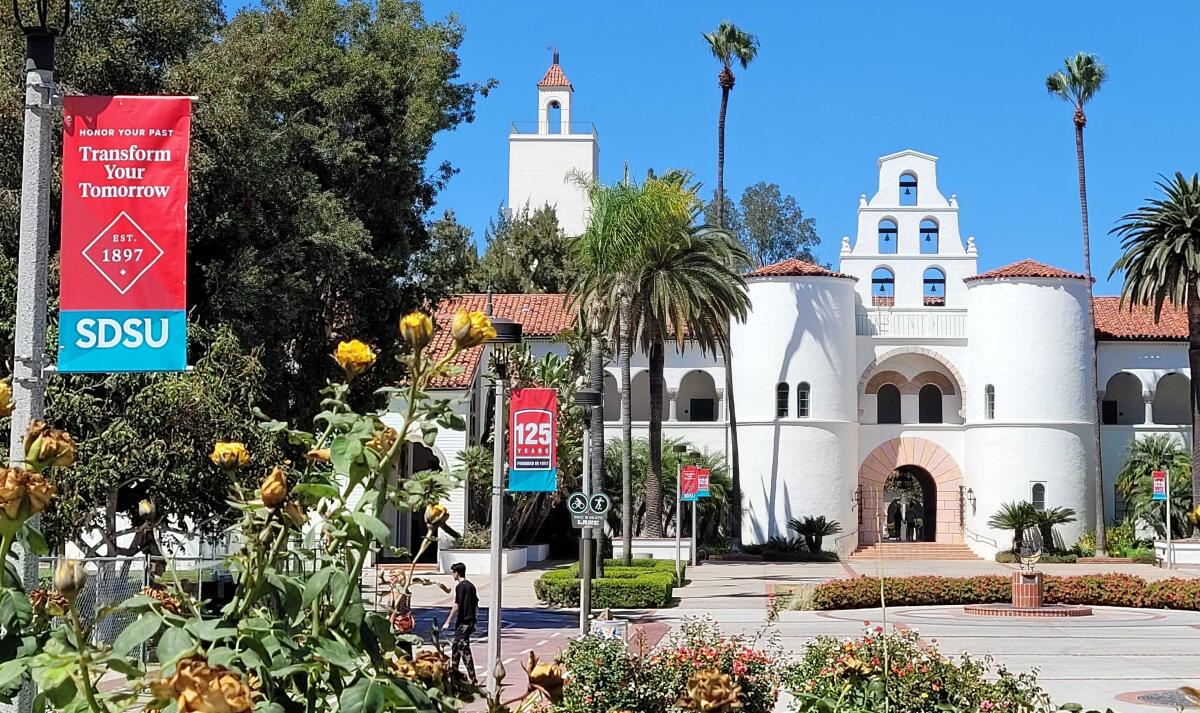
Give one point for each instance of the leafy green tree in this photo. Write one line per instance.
(1159, 451)
(770, 225)
(451, 264)
(1051, 518)
(814, 530)
(149, 437)
(526, 252)
(1161, 262)
(1017, 517)
(729, 44)
(1076, 84)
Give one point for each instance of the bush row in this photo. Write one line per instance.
(641, 585)
(1008, 557)
(1119, 590)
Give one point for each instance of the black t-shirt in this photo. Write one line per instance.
(468, 603)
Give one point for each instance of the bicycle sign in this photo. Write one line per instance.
(588, 511)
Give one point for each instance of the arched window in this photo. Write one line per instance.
(554, 117)
(1038, 497)
(887, 400)
(889, 237)
(929, 237)
(1123, 403)
(908, 189)
(929, 404)
(802, 400)
(883, 287)
(781, 401)
(934, 288)
(1173, 400)
(989, 402)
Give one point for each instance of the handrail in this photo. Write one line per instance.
(839, 538)
(980, 538)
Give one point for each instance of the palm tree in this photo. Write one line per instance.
(729, 44)
(1161, 261)
(814, 530)
(1017, 517)
(1159, 451)
(1047, 520)
(1076, 84)
(685, 285)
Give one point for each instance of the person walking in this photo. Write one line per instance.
(464, 611)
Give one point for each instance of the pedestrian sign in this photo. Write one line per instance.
(600, 504)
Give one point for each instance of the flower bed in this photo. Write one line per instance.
(640, 585)
(1118, 590)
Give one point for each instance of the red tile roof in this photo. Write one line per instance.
(1026, 268)
(796, 267)
(554, 78)
(540, 316)
(1114, 322)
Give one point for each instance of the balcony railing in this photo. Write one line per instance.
(911, 323)
(554, 128)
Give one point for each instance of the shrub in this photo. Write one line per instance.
(603, 676)
(1007, 557)
(1142, 555)
(1085, 546)
(643, 584)
(789, 549)
(850, 676)
(814, 530)
(474, 537)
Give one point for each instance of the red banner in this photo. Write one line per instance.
(533, 435)
(689, 487)
(704, 475)
(124, 233)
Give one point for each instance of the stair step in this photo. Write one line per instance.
(913, 551)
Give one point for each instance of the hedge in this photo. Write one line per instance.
(1007, 557)
(1118, 590)
(644, 584)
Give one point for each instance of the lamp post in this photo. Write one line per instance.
(29, 340)
(507, 332)
(679, 450)
(588, 399)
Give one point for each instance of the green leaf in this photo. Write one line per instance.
(335, 653)
(373, 525)
(15, 610)
(137, 632)
(316, 585)
(364, 696)
(120, 664)
(221, 656)
(316, 490)
(34, 540)
(344, 452)
(173, 644)
(52, 676)
(211, 630)
(11, 673)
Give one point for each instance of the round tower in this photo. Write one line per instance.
(794, 383)
(1029, 433)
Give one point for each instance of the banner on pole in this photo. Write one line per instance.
(689, 488)
(1159, 481)
(532, 439)
(123, 300)
(703, 475)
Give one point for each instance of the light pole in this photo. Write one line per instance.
(507, 332)
(679, 450)
(588, 399)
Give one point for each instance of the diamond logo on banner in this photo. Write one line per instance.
(122, 252)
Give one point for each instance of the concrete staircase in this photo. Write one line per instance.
(913, 551)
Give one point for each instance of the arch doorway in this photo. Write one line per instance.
(931, 470)
(910, 505)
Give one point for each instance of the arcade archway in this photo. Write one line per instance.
(930, 467)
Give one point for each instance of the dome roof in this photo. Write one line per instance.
(796, 267)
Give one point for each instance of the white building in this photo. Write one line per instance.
(906, 359)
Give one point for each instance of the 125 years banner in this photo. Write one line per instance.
(533, 436)
(123, 299)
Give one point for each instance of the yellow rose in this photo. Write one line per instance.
(70, 578)
(430, 666)
(48, 603)
(545, 677)
(404, 668)
(46, 446)
(470, 329)
(146, 509)
(274, 488)
(354, 357)
(196, 687)
(436, 515)
(6, 404)
(164, 599)
(712, 692)
(12, 491)
(416, 328)
(230, 455)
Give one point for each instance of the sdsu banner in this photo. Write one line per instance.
(123, 299)
(533, 433)
(689, 486)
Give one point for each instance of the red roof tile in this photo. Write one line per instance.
(540, 316)
(796, 267)
(1114, 322)
(1026, 268)
(554, 78)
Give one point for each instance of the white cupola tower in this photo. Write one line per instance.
(544, 157)
(908, 253)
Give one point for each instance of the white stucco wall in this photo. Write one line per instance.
(539, 166)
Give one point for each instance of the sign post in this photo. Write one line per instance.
(1162, 491)
(123, 295)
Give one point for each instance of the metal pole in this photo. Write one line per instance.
(695, 535)
(678, 520)
(1170, 549)
(586, 549)
(498, 443)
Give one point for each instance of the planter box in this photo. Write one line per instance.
(478, 562)
(659, 548)
(538, 553)
(1186, 551)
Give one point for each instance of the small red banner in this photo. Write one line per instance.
(533, 435)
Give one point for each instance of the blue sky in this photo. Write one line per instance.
(837, 85)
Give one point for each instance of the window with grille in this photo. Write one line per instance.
(802, 400)
(781, 401)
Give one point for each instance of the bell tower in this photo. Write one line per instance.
(546, 156)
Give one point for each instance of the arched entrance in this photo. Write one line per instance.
(910, 504)
(931, 468)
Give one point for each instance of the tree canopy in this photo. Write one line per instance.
(770, 225)
(526, 252)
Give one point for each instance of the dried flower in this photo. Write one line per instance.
(48, 603)
(295, 513)
(545, 677)
(430, 666)
(230, 455)
(197, 687)
(471, 328)
(417, 329)
(354, 357)
(164, 599)
(22, 493)
(404, 668)
(274, 488)
(320, 455)
(46, 446)
(711, 691)
(70, 578)
(6, 404)
(383, 440)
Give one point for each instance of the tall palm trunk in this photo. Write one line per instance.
(596, 435)
(1101, 539)
(725, 79)
(653, 521)
(626, 432)
(1193, 309)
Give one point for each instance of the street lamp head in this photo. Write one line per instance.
(694, 456)
(40, 30)
(588, 398)
(507, 331)
(679, 448)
